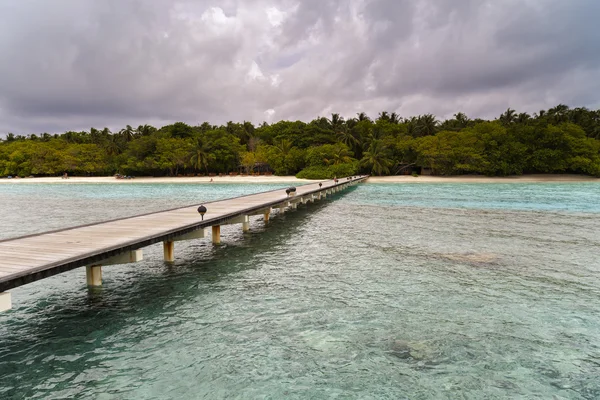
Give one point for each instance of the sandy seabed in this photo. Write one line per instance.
(293, 179)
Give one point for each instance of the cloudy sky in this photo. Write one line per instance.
(74, 64)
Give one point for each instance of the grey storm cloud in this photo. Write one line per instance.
(74, 64)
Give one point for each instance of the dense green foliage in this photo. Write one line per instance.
(559, 140)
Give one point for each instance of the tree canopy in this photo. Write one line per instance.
(558, 140)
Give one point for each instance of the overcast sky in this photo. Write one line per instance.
(74, 64)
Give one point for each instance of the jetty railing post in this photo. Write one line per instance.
(169, 250)
(216, 234)
(93, 274)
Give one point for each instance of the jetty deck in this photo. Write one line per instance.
(30, 258)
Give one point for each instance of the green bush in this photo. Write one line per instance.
(322, 172)
(342, 170)
(316, 172)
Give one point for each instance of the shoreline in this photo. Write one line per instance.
(536, 178)
(532, 178)
(166, 179)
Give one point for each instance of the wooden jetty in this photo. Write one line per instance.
(30, 258)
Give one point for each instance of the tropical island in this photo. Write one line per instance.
(559, 140)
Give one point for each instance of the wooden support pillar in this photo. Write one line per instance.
(5, 301)
(216, 234)
(267, 215)
(169, 250)
(246, 224)
(294, 206)
(93, 274)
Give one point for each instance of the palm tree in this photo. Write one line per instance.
(384, 116)
(411, 126)
(363, 117)
(284, 146)
(376, 158)
(127, 133)
(522, 118)
(427, 125)
(249, 128)
(113, 145)
(95, 136)
(336, 122)
(394, 118)
(508, 117)
(341, 155)
(583, 117)
(351, 123)
(462, 120)
(144, 130)
(200, 156)
(559, 113)
(345, 136)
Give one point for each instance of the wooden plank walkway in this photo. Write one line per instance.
(30, 258)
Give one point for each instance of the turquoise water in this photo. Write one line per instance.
(387, 292)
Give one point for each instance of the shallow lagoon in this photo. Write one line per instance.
(389, 291)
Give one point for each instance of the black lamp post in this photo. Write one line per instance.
(202, 211)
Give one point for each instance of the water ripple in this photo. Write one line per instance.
(392, 291)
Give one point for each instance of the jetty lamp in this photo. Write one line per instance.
(320, 184)
(202, 211)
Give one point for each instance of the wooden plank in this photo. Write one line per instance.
(24, 257)
(15, 267)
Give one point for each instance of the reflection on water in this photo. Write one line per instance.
(390, 291)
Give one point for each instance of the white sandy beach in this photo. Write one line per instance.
(293, 179)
